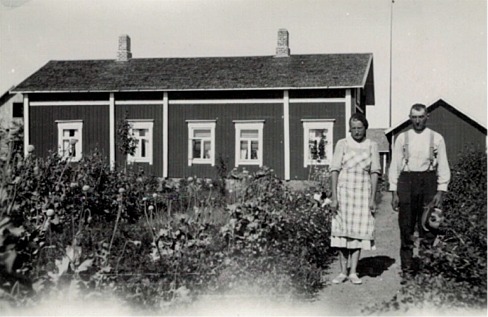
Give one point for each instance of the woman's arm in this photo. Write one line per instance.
(372, 198)
(334, 178)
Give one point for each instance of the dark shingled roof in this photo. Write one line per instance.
(203, 73)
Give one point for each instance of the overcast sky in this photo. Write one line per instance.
(439, 46)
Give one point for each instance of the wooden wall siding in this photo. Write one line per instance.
(44, 131)
(223, 94)
(299, 111)
(140, 95)
(225, 135)
(317, 93)
(154, 112)
(457, 132)
(69, 97)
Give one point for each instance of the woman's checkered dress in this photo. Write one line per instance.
(353, 226)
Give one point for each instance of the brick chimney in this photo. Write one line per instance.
(124, 54)
(282, 50)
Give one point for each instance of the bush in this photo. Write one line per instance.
(453, 273)
(85, 228)
(273, 222)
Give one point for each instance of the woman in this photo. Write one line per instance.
(355, 168)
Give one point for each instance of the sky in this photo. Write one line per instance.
(439, 47)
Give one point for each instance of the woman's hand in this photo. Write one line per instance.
(372, 206)
(333, 205)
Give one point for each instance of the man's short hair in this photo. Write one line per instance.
(419, 107)
(359, 117)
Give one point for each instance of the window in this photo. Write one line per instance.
(70, 141)
(201, 142)
(142, 131)
(249, 143)
(317, 140)
(17, 110)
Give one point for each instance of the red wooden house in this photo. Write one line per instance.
(282, 111)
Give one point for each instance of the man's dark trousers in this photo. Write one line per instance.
(415, 190)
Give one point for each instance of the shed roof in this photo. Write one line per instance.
(432, 107)
(378, 135)
(205, 73)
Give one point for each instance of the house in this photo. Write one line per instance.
(378, 135)
(283, 111)
(458, 129)
(11, 108)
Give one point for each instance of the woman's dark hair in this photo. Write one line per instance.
(359, 117)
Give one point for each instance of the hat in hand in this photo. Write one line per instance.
(432, 217)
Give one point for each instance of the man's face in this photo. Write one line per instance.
(418, 119)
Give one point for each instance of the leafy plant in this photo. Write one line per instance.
(126, 141)
(453, 273)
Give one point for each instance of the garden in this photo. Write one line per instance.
(82, 230)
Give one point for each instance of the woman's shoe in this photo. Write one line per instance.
(355, 279)
(339, 279)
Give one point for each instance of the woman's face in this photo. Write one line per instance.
(357, 130)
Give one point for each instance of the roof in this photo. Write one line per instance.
(432, 107)
(6, 96)
(378, 135)
(204, 73)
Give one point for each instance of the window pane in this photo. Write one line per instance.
(313, 149)
(65, 133)
(142, 132)
(317, 144)
(197, 149)
(65, 147)
(201, 133)
(249, 134)
(143, 147)
(73, 150)
(206, 149)
(243, 150)
(72, 132)
(254, 150)
(18, 110)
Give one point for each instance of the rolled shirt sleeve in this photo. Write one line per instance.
(375, 158)
(336, 164)
(443, 170)
(396, 162)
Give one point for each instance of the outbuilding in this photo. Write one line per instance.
(458, 129)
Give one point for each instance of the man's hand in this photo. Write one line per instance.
(394, 200)
(437, 200)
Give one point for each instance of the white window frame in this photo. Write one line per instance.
(313, 124)
(76, 125)
(199, 125)
(142, 124)
(249, 125)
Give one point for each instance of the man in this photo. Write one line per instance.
(419, 175)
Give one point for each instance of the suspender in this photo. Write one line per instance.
(431, 152)
(406, 154)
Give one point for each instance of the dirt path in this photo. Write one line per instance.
(378, 269)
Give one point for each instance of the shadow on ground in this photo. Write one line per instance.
(374, 266)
